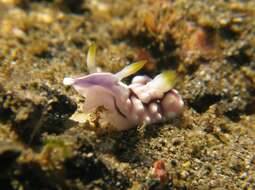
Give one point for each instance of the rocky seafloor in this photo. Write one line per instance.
(211, 46)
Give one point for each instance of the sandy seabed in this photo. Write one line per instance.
(211, 46)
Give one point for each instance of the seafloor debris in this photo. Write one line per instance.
(158, 178)
(209, 43)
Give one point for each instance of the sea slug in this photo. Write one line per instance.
(144, 101)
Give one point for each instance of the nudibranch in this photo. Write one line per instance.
(144, 101)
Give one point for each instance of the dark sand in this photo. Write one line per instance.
(210, 44)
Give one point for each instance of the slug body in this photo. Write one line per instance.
(144, 101)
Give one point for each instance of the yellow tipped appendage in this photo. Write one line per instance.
(164, 81)
(130, 69)
(91, 59)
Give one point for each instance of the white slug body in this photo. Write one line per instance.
(144, 101)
